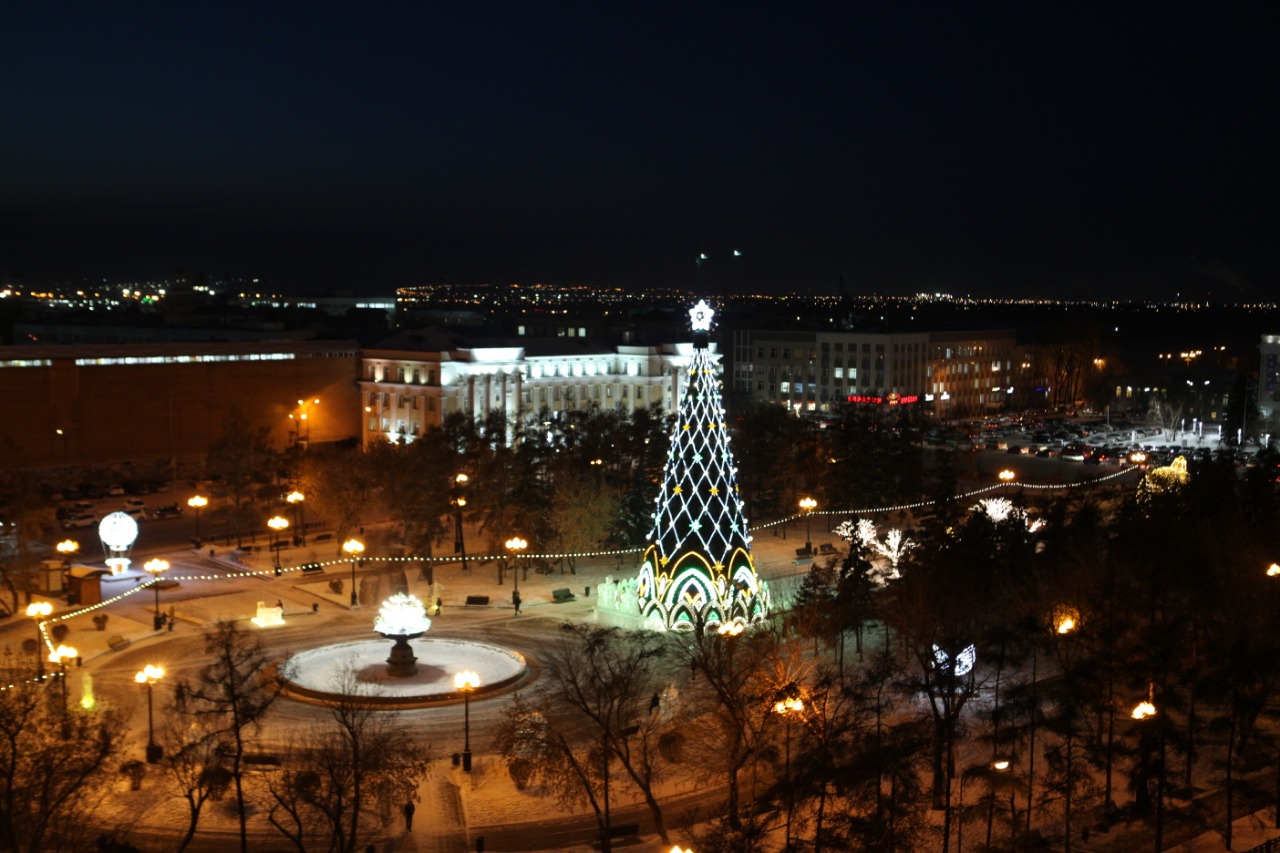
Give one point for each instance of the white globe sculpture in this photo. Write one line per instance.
(118, 531)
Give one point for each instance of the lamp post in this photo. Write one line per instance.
(156, 568)
(354, 548)
(66, 548)
(277, 523)
(466, 682)
(60, 656)
(38, 610)
(459, 501)
(302, 420)
(197, 503)
(787, 707)
(296, 500)
(1007, 477)
(808, 504)
(149, 675)
(1142, 712)
(516, 546)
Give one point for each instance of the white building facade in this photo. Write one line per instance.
(408, 391)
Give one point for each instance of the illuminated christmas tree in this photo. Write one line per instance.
(697, 568)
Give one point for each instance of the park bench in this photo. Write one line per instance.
(477, 601)
(117, 642)
(559, 596)
(826, 549)
(802, 552)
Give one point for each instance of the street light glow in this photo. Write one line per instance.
(1143, 710)
(197, 502)
(39, 608)
(150, 674)
(1007, 476)
(466, 680)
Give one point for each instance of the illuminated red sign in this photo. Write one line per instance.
(893, 400)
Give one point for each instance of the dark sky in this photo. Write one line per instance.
(1039, 148)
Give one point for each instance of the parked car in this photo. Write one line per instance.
(80, 520)
(167, 511)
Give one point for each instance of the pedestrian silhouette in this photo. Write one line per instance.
(439, 605)
(515, 600)
(408, 815)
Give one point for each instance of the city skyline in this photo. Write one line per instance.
(1084, 152)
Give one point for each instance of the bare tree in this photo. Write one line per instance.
(362, 754)
(600, 707)
(725, 711)
(196, 763)
(53, 765)
(232, 697)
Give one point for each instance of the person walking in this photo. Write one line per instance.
(408, 815)
(515, 600)
(439, 605)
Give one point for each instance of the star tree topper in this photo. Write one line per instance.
(700, 316)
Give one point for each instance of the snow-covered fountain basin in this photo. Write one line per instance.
(358, 670)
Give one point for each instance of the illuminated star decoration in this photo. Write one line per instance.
(700, 317)
(697, 568)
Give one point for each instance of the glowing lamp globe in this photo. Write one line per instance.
(118, 531)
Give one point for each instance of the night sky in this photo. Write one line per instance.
(1057, 149)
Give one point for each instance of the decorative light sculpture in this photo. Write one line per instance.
(118, 531)
(960, 666)
(402, 618)
(697, 568)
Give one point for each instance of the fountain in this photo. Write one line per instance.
(411, 676)
(402, 618)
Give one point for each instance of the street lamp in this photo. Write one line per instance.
(156, 568)
(787, 707)
(198, 502)
(459, 540)
(277, 523)
(66, 548)
(302, 419)
(1007, 476)
(466, 682)
(516, 545)
(1273, 570)
(38, 610)
(354, 548)
(808, 504)
(60, 656)
(296, 500)
(149, 676)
